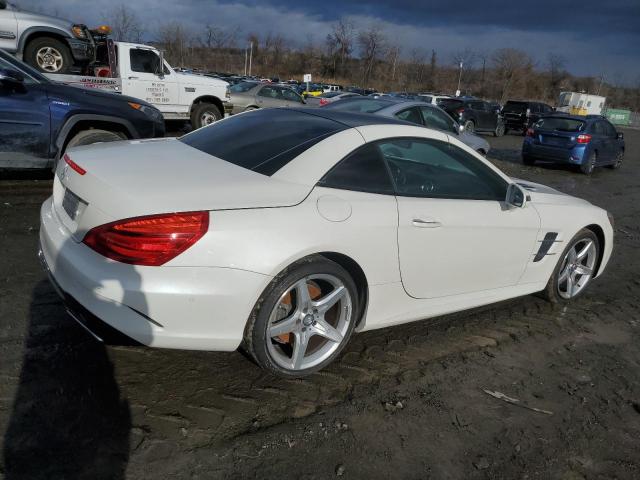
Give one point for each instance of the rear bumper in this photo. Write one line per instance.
(572, 156)
(193, 308)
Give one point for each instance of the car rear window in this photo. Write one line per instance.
(360, 105)
(561, 124)
(450, 103)
(243, 87)
(516, 107)
(263, 141)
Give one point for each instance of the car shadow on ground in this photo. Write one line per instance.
(69, 419)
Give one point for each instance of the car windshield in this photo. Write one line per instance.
(561, 124)
(516, 107)
(242, 87)
(263, 141)
(12, 63)
(450, 103)
(361, 105)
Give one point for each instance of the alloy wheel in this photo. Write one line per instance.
(577, 268)
(49, 59)
(207, 118)
(309, 322)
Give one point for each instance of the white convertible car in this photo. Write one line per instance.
(282, 231)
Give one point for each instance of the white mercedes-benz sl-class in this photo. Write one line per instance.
(283, 231)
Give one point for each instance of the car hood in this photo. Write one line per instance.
(83, 95)
(143, 177)
(200, 80)
(542, 194)
(44, 20)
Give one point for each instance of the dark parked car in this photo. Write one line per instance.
(40, 119)
(520, 115)
(474, 115)
(589, 142)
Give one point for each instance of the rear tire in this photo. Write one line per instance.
(618, 162)
(204, 114)
(589, 166)
(469, 126)
(281, 302)
(527, 160)
(49, 55)
(89, 137)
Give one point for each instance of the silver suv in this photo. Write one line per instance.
(50, 44)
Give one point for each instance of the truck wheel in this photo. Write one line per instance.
(204, 114)
(49, 55)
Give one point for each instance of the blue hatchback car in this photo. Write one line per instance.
(587, 141)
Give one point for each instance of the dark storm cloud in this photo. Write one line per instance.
(596, 38)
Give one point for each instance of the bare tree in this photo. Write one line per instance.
(173, 36)
(219, 37)
(557, 74)
(509, 64)
(125, 24)
(372, 46)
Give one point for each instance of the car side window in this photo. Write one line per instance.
(291, 95)
(269, 92)
(410, 115)
(144, 61)
(599, 128)
(436, 169)
(437, 119)
(610, 130)
(363, 171)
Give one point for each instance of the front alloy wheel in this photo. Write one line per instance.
(577, 268)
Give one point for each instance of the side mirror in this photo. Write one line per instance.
(160, 71)
(516, 196)
(11, 78)
(620, 136)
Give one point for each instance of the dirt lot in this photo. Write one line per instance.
(406, 402)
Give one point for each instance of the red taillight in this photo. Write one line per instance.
(74, 166)
(323, 102)
(460, 110)
(584, 138)
(152, 240)
(530, 132)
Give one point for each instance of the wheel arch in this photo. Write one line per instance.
(78, 123)
(33, 33)
(599, 233)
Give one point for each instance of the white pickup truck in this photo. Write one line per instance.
(134, 70)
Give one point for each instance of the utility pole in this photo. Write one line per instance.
(459, 79)
(600, 86)
(245, 62)
(250, 56)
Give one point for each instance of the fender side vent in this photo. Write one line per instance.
(545, 245)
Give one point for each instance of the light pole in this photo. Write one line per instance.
(245, 62)
(459, 79)
(250, 56)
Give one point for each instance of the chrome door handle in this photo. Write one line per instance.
(132, 78)
(430, 223)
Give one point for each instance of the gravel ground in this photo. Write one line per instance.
(406, 402)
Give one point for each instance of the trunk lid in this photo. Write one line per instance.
(143, 177)
(558, 132)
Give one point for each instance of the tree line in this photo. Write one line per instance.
(366, 57)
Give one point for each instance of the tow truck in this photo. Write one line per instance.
(140, 71)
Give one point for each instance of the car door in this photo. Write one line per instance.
(479, 115)
(24, 123)
(144, 81)
(455, 234)
(8, 29)
(611, 142)
(439, 120)
(269, 97)
(600, 141)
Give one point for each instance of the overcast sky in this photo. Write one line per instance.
(597, 37)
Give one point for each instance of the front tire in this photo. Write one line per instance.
(303, 319)
(527, 160)
(204, 114)
(499, 131)
(575, 269)
(49, 55)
